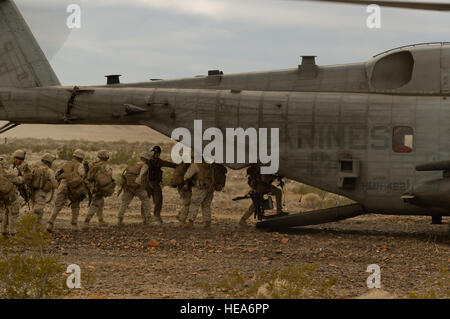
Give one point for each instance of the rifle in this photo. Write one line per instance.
(86, 167)
(120, 191)
(279, 178)
(23, 190)
(259, 203)
(89, 194)
(86, 184)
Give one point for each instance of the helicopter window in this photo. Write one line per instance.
(403, 139)
(393, 71)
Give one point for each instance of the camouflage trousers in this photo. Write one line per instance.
(185, 196)
(39, 201)
(62, 196)
(128, 196)
(201, 198)
(97, 205)
(268, 189)
(8, 216)
(157, 196)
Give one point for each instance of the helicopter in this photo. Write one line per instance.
(373, 131)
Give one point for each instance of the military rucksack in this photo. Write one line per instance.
(78, 193)
(204, 178)
(75, 183)
(40, 178)
(7, 193)
(130, 174)
(219, 176)
(178, 175)
(103, 180)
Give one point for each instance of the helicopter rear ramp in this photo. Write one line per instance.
(321, 216)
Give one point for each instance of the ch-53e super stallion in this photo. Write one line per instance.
(376, 132)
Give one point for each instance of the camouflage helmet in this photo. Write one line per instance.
(103, 154)
(49, 158)
(79, 154)
(145, 155)
(20, 154)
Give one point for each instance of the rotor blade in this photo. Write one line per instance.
(433, 6)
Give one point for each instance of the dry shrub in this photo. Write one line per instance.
(291, 282)
(311, 201)
(26, 269)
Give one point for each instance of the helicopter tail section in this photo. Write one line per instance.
(22, 62)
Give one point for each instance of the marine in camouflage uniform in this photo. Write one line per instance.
(185, 192)
(15, 173)
(202, 192)
(98, 197)
(63, 192)
(41, 194)
(2, 167)
(261, 183)
(139, 191)
(155, 178)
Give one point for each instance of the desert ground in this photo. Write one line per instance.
(171, 261)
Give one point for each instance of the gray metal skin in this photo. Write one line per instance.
(325, 114)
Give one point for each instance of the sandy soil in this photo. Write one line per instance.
(87, 132)
(170, 261)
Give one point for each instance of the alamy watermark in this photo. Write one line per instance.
(74, 19)
(229, 149)
(374, 19)
(74, 279)
(374, 280)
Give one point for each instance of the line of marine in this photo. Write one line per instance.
(37, 186)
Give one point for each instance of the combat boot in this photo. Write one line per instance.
(120, 222)
(243, 222)
(85, 225)
(189, 224)
(207, 225)
(102, 223)
(158, 220)
(180, 219)
(74, 227)
(49, 227)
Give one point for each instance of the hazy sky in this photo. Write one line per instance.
(143, 39)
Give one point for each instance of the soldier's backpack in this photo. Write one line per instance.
(204, 176)
(7, 193)
(219, 176)
(130, 174)
(103, 181)
(41, 179)
(77, 189)
(178, 175)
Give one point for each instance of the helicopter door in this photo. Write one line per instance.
(445, 69)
